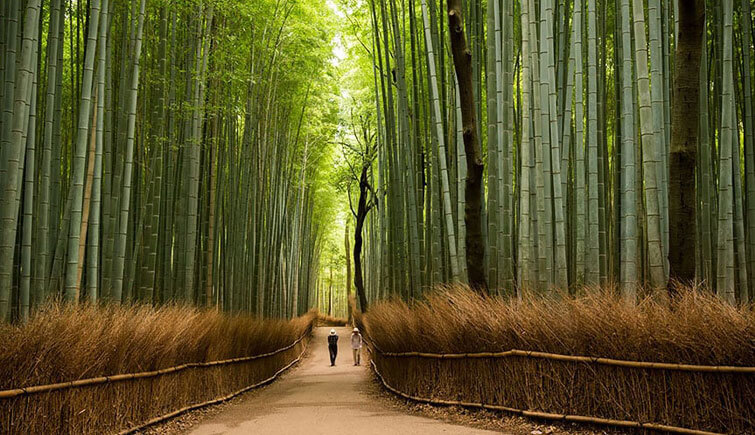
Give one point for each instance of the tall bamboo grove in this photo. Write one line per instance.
(157, 152)
(573, 102)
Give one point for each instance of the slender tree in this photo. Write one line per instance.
(473, 191)
(684, 141)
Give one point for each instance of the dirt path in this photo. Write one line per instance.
(319, 399)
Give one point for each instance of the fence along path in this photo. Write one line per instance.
(643, 365)
(319, 399)
(99, 413)
(575, 358)
(7, 394)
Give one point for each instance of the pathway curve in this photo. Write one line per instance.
(318, 399)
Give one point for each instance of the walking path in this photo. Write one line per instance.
(318, 399)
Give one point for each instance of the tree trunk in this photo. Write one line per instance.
(348, 269)
(684, 136)
(473, 195)
(330, 292)
(361, 215)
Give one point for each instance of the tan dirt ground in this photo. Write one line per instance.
(315, 398)
(320, 399)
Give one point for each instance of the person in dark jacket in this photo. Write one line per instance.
(333, 346)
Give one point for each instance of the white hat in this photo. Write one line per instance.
(332, 332)
(355, 330)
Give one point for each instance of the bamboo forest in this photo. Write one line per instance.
(527, 216)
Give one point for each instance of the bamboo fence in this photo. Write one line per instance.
(573, 358)
(15, 392)
(178, 412)
(107, 404)
(533, 355)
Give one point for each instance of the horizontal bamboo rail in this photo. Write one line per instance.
(545, 415)
(178, 412)
(8, 394)
(572, 358)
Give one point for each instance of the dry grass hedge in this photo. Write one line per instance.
(63, 343)
(694, 328)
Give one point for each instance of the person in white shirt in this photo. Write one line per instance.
(356, 345)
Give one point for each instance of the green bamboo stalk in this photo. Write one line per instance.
(407, 156)
(553, 158)
(92, 284)
(749, 140)
(194, 157)
(42, 260)
(629, 241)
(507, 194)
(14, 153)
(582, 235)
(24, 291)
(125, 200)
(461, 169)
(705, 180)
(79, 159)
(652, 142)
(593, 217)
(528, 257)
(658, 94)
(740, 248)
(443, 171)
(9, 83)
(725, 270)
(495, 146)
(544, 249)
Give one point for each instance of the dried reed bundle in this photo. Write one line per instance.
(694, 328)
(63, 343)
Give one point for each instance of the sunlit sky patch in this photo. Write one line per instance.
(339, 50)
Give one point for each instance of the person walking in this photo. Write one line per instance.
(356, 345)
(333, 346)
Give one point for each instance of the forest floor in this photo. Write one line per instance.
(316, 398)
